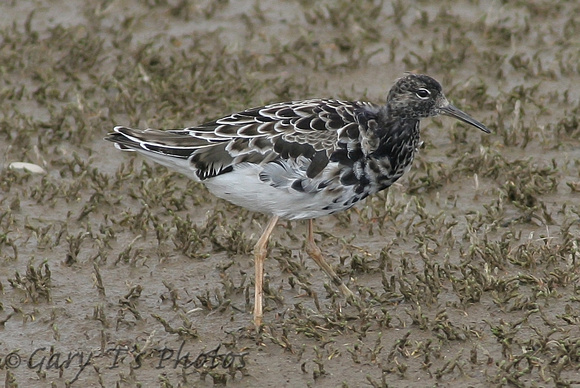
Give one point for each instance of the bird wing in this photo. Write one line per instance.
(310, 131)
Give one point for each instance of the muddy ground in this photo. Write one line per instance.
(118, 272)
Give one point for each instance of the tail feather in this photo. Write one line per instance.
(176, 149)
(174, 143)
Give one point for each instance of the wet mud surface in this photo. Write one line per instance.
(117, 272)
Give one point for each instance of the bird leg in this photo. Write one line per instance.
(314, 252)
(260, 251)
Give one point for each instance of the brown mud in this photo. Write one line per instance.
(118, 272)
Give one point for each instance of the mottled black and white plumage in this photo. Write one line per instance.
(301, 159)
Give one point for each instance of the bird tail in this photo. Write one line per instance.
(125, 139)
(172, 143)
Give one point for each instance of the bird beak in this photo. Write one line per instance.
(450, 110)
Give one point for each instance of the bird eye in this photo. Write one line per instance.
(423, 93)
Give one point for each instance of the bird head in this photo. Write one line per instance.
(416, 96)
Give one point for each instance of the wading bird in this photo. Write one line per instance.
(300, 159)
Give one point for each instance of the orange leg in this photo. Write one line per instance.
(314, 252)
(260, 251)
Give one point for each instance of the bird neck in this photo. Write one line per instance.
(394, 110)
(395, 125)
(396, 138)
(396, 146)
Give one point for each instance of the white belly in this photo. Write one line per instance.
(243, 187)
